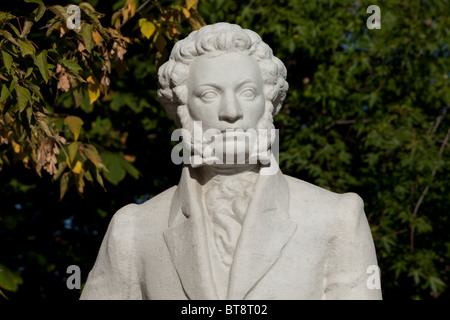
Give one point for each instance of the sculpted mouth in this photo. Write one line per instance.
(232, 130)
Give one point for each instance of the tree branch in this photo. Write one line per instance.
(344, 121)
(137, 10)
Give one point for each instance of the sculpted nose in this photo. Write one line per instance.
(230, 110)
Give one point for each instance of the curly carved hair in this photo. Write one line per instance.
(214, 40)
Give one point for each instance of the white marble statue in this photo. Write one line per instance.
(239, 230)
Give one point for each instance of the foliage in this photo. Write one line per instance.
(75, 66)
(367, 112)
(56, 90)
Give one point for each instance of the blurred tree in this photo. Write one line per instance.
(367, 111)
(78, 106)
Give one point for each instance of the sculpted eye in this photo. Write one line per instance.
(209, 96)
(248, 94)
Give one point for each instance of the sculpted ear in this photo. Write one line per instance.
(281, 87)
(172, 93)
(280, 95)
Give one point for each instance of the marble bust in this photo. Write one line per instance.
(233, 229)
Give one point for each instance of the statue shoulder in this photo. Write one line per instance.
(301, 189)
(154, 209)
(351, 217)
(346, 207)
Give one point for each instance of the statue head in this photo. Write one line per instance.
(213, 41)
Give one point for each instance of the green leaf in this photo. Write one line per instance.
(113, 162)
(9, 280)
(39, 12)
(71, 65)
(88, 176)
(26, 48)
(74, 124)
(100, 180)
(416, 274)
(92, 154)
(29, 112)
(44, 127)
(23, 96)
(60, 12)
(92, 14)
(9, 37)
(26, 28)
(16, 31)
(85, 6)
(86, 33)
(63, 185)
(73, 150)
(62, 165)
(36, 90)
(77, 95)
(5, 16)
(35, 1)
(41, 62)
(29, 71)
(130, 169)
(160, 42)
(436, 284)
(7, 60)
(4, 93)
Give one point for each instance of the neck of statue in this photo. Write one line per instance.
(223, 172)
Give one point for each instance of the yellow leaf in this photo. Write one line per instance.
(16, 146)
(132, 4)
(194, 23)
(93, 89)
(97, 37)
(147, 28)
(129, 158)
(125, 14)
(186, 13)
(3, 295)
(79, 182)
(191, 4)
(77, 167)
(115, 19)
(74, 124)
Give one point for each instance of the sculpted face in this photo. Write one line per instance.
(226, 92)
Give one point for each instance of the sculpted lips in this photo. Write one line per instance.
(231, 130)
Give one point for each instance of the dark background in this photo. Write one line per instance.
(357, 118)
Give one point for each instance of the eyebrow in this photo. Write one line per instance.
(245, 81)
(210, 84)
(218, 87)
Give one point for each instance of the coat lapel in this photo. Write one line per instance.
(265, 232)
(187, 242)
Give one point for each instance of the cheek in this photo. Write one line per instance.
(255, 109)
(201, 111)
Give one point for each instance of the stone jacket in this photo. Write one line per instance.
(298, 241)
